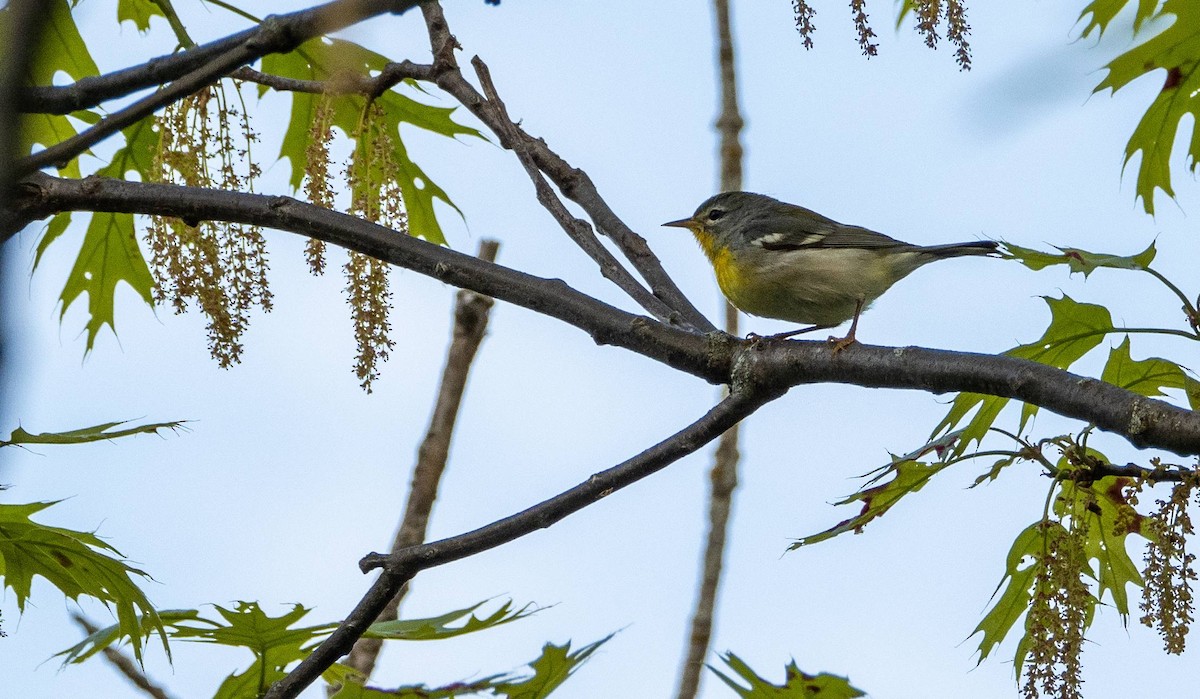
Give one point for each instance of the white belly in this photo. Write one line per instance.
(817, 287)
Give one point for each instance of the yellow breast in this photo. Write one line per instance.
(721, 258)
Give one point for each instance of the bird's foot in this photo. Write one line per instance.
(841, 343)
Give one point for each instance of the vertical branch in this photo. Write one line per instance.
(18, 46)
(723, 477)
(124, 664)
(470, 322)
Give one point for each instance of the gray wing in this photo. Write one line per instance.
(810, 230)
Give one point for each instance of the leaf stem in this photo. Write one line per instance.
(235, 10)
(181, 33)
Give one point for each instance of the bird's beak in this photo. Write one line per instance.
(681, 223)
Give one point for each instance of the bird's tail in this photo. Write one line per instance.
(978, 247)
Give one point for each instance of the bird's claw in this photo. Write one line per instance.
(841, 343)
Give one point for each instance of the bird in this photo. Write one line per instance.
(779, 260)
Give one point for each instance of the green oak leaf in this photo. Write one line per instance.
(1075, 329)
(910, 475)
(1147, 377)
(46, 130)
(796, 685)
(110, 253)
(439, 627)
(1100, 14)
(273, 642)
(1021, 568)
(109, 636)
(553, 667)
(54, 230)
(95, 433)
(137, 155)
(78, 564)
(352, 688)
(62, 48)
(1112, 520)
(319, 59)
(1080, 260)
(139, 12)
(1174, 50)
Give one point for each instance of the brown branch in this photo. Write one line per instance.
(1145, 422)
(576, 229)
(572, 182)
(41, 195)
(400, 567)
(1160, 474)
(391, 75)
(302, 25)
(276, 34)
(123, 663)
(471, 312)
(723, 478)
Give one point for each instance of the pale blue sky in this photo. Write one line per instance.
(289, 473)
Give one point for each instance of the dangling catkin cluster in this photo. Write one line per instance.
(1167, 596)
(221, 267)
(929, 14)
(375, 197)
(1059, 609)
(317, 170)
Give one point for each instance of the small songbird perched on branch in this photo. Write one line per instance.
(779, 260)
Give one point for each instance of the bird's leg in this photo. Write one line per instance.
(790, 333)
(843, 343)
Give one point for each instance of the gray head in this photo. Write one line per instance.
(714, 216)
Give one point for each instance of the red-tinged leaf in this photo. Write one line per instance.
(1080, 260)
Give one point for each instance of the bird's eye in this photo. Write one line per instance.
(715, 214)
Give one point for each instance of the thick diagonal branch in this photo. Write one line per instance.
(471, 311)
(1145, 422)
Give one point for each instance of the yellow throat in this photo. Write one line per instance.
(722, 261)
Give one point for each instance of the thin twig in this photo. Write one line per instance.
(298, 26)
(391, 75)
(572, 182)
(401, 566)
(123, 663)
(471, 311)
(576, 229)
(277, 34)
(723, 478)
(181, 33)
